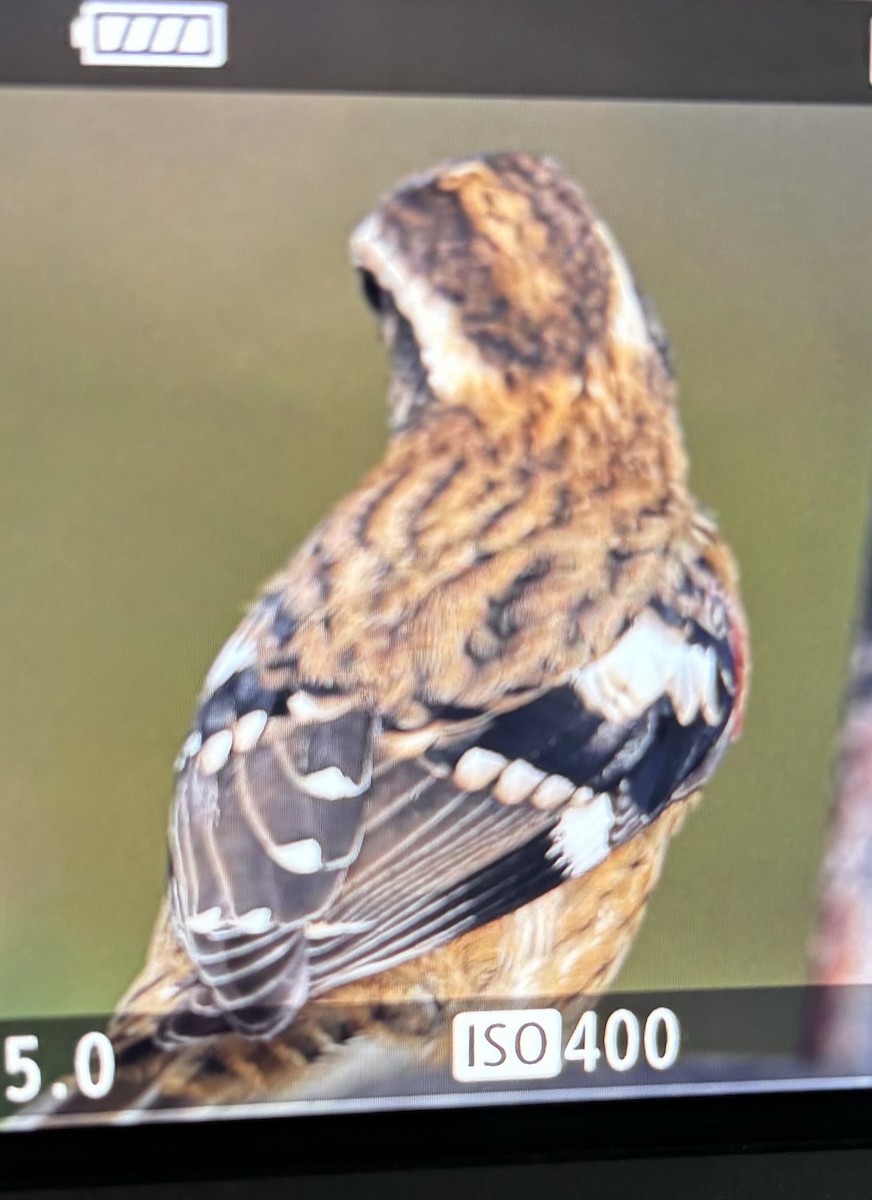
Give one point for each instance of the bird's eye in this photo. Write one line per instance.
(375, 295)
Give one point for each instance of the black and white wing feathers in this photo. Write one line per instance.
(310, 850)
(260, 845)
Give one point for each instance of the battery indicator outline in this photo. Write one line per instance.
(115, 33)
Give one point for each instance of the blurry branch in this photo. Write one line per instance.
(840, 1032)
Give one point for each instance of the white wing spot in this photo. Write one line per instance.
(651, 660)
(238, 653)
(517, 782)
(302, 857)
(256, 920)
(247, 730)
(581, 838)
(477, 768)
(332, 784)
(552, 792)
(215, 752)
(190, 746)
(206, 921)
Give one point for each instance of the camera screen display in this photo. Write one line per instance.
(434, 537)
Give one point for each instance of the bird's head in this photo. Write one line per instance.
(493, 275)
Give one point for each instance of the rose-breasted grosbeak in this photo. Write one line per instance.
(444, 753)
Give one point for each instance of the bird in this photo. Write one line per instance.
(443, 755)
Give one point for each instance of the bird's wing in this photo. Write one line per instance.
(487, 820)
(314, 842)
(260, 847)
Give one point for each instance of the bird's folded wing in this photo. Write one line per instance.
(326, 845)
(536, 795)
(262, 834)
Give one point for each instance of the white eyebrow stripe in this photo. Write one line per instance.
(628, 320)
(651, 660)
(450, 358)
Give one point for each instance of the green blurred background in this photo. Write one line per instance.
(188, 379)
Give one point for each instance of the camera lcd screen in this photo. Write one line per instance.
(433, 532)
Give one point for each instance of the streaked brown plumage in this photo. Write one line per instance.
(444, 754)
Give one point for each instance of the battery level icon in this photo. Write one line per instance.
(111, 33)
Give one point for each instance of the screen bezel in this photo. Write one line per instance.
(405, 1140)
(575, 1130)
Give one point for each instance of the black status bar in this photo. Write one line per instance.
(671, 1043)
(813, 51)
